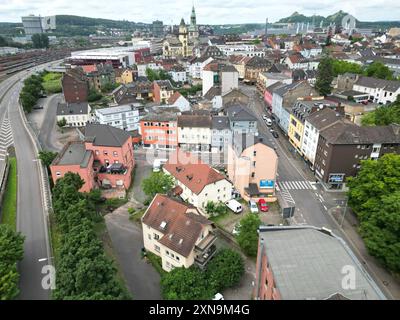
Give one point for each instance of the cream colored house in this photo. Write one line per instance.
(177, 233)
(198, 183)
(252, 167)
(75, 114)
(194, 133)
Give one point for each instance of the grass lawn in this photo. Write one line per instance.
(9, 209)
(156, 262)
(135, 216)
(52, 82)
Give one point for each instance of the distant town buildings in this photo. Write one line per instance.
(37, 24)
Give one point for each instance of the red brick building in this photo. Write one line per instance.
(75, 86)
(105, 159)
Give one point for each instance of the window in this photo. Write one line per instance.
(105, 152)
(149, 236)
(115, 154)
(156, 236)
(156, 248)
(58, 173)
(254, 153)
(254, 164)
(253, 174)
(167, 252)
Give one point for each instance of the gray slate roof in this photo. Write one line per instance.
(105, 135)
(240, 113)
(369, 82)
(74, 153)
(194, 121)
(323, 118)
(220, 122)
(72, 108)
(307, 263)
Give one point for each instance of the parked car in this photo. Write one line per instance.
(157, 164)
(265, 117)
(268, 121)
(235, 230)
(275, 134)
(218, 296)
(262, 204)
(234, 205)
(253, 206)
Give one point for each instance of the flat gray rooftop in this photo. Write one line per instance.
(75, 154)
(308, 264)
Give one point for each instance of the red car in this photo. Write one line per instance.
(263, 205)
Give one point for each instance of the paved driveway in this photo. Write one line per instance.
(142, 280)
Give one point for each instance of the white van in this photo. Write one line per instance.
(158, 163)
(234, 205)
(268, 121)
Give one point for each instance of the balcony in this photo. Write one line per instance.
(205, 250)
(115, 168)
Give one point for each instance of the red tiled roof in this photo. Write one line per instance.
(174, 97)
(195, 175)
(181, 228)
(89, 68)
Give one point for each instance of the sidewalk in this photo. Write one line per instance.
(388, 284)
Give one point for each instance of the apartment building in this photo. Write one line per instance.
(125, 117)
(75, 86)
(194, 132)
(162, 91)
(252, 167)
(177, 233)
(221, 135)
(159, 130)
(220, 74)
(343, 145)
(241, 119)
(103, 160)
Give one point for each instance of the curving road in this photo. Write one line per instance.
(31, 219)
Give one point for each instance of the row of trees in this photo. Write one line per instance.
(31, 92)
(83, 270)
(11, 251)
(374, 195)
(329, 68)
(224, 271)
(384, 115)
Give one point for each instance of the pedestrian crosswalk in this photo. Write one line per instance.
(6, 137)
(296, 185)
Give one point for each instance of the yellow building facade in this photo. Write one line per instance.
(295, 132)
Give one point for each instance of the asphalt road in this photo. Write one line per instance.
(30, 212)
(46, 135)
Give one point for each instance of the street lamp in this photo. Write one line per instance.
(344, 213)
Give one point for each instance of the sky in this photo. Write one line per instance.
(208, 11)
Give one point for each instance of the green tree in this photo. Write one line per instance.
(47, 157)
(3, 42)
(186, 284)
(11, 251)
(325, 76)
(225, 270)
(379, 70)
(374, 195)
(62, 123)
(157, 182)
(94, 95)
(248, 235)
(216, 208)
(341, 67)
(383, 115)
(40, 41)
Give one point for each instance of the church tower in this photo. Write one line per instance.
(193, 29)
(183, 37)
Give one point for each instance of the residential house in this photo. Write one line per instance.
(152, 65)
(75, 86)
(177, 233)
(212, 52)
(239, 62)
(194, 132)
(159, 130)
(137, 91)
(221, 135)
(343, 145)
(102, 76)
(313, 125)
(198, 183)
(220, 74)
(284, 97)
(75, 114)
(241, 119)
(162, 91)
(196, 66)
(178, 74)
(267, 79)
(105, 158)
(282, 249)
(252, 167)
(253, 67)
(125, 117)
(297, 61)
(125, 75)
(378, 90)
(179, 101)
(300, 112)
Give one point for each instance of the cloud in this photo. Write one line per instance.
(208, 11)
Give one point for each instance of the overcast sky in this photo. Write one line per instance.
(208, 11)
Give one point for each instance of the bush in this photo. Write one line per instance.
(225, 270)
(248, 235)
